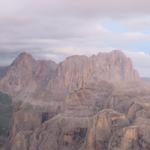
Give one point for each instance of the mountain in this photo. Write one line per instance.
(82, 103)
(27, 76)
(76, 71)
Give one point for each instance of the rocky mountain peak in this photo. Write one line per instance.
(78, 104)
(23, 59)
(117, 52)
(114, 52)
(73, 73)
(113, 66)
(25, 55)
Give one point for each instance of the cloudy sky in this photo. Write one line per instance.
(54, 29)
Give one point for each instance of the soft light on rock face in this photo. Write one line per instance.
(130, 138)
(83, 103)
(27, 75)
(77, 71)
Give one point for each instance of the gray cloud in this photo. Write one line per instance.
(137, 23)
(56, 29)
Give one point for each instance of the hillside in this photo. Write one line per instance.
(82, 103)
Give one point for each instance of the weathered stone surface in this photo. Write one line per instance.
(27, 76)
(83, 103)
(86, 126)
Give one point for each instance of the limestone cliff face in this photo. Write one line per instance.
(26, 74)
(75, 72)
(83, 103)
(107, 130)
(19, 74)
(96, 117)
(78, 71)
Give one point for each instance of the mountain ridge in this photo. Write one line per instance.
(82, 103)
(31, 75)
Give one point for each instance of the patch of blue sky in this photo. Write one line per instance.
(140, 46)
(115, 26)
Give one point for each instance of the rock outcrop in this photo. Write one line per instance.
(78, 71)
(27, 76)
(82, 103)
(95, 117)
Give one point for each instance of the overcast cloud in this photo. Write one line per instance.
(55, 29)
